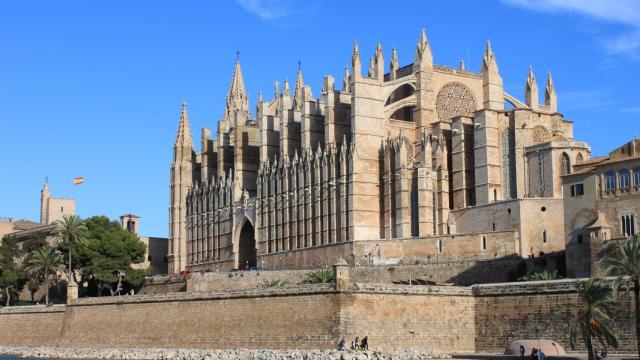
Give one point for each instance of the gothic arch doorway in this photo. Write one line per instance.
(247, 257)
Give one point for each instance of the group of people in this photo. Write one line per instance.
(536, 354)
(355, 344)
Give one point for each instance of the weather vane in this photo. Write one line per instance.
(299, 64)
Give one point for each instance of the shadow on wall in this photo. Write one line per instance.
(510, 269)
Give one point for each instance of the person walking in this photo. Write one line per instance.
(364, 345)
(522, 351)
(341, 345)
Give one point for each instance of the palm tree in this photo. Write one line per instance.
(72, 230)
(45, 262)
(623, 261)
(594, 316)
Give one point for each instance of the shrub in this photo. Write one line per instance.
(322, 276)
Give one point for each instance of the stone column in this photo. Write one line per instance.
(341, 275)
(72, 291)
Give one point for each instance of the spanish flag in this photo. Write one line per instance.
(78, 180)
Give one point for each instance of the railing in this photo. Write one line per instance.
(620, 191)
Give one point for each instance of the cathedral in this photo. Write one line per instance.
(393, 165)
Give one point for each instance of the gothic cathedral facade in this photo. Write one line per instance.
(405, 164)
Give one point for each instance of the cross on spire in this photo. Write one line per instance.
(299, 64)
(237, 55)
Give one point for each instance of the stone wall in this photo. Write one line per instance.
(481, 318)
(293, 317)
(507, 312)
(441, 272)
(31, 325)
(223, 281)
(465, 273)
(437, 318)
(164, 284)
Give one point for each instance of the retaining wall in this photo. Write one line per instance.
(481, 318)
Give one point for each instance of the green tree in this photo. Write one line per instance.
(623, 261)
(594, 316)
(109, 250)
(11, 280)
(321, 276)
(44, 263)
(73, 232)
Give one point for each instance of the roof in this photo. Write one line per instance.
(25, 225)
(601, 222)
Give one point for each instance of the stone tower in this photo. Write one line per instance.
(45, 194)
(182, 175)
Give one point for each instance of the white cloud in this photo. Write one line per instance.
(269, 9)
(625, 12)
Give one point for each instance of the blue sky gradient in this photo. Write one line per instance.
(94, 89)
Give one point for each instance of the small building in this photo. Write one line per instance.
(51, 210)
(601, 203)
(156, 247)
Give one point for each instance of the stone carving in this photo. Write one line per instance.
(540, 134)
(455, 99)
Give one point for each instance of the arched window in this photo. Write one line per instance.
(400, 93)
(508, 164)
(610, 180)
(484, 242)
(636, 176)
(625, 179)
(403, 114)
(565, 164)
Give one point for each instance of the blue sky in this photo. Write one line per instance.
(93, 89)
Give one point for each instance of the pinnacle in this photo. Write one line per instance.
(184, 130)
(423, 42)
(531, 78)
(237, 99)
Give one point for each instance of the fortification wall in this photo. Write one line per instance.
(481, 318)
(440, 319)
(31, 325)
(463, 272)
(293, 317)
(508, 312)
(222, 281)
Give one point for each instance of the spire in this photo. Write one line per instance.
(355, 61)
(379, 63)
(372, 68)
(297, 92)
(489, 63)
(423, 55)
(346, 84)
(531, 90)
(462, 65)
(237, 99)
(184, 130)
(492, 89)
(393, 65)
(286, 90)
(550, 97)
(45, 187)
(260, 100)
